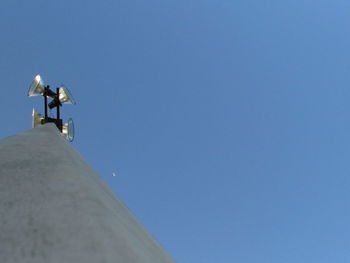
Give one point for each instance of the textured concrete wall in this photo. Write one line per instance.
(55, 208)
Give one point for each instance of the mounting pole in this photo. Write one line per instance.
(58, 105)
(58, 109)
(45, 102)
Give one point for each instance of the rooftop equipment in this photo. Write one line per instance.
(61, 96)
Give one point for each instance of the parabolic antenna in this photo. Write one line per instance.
(36, 119)
(68, 130)
(37, 87)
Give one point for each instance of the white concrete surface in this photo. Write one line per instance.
(55, 209)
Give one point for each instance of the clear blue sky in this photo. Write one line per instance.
(227, 122)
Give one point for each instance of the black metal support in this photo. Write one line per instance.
(56, 103)
(58, 117)
(45, 103)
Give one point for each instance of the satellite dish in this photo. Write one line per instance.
(37, 87)
(68, 130)
(36, 118)
(65, 96)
